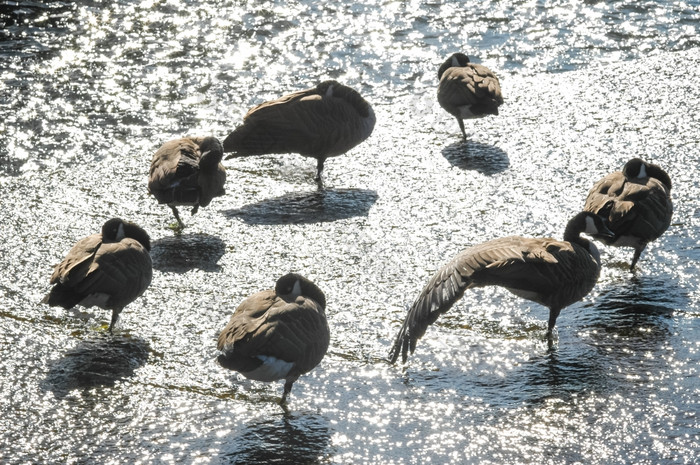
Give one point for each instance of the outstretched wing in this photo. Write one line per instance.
(512, 262)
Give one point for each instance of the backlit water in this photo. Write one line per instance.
(89, 90)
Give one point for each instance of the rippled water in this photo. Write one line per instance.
(90, 89)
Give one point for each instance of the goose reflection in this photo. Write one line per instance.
(290, 438)
(483, 158)
(318, 206)
(183, 253)
(99, 361)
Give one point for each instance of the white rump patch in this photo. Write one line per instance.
(271, 369)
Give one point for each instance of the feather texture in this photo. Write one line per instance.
(467, 90)
(637, 204)
(321, 122)
(547, 271)
(102, 270)
(281, 325)
(187, 171)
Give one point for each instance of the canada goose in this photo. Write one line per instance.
(321, 122)
(187, 171)
(108, 270)
(467, 90)
(636, 202)
(277, 334)
(544, 270)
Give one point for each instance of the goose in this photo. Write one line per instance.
(547, 271)
(108, 270)
(467, 90)
(322, 122)
(637, 204)
(276, 334)
(187, 171)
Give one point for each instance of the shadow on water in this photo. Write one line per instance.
(301, 438)
(100, 361)
(483, 158)
(307, 207)
(186, 252)
(638, 309)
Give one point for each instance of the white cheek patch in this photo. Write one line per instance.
(329, 92)
(455, 63)
(590, 226)
(642, 172)
(120, 232)
(296, 291)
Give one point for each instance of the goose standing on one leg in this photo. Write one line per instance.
(637, 204)
(467, 90)
(187, 171)
(321, 122)
(277, 334)
(544, 270)
(108, 270)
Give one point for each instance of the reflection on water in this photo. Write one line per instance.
(299, 438)
(100, 361)
(483, 158)
(308, 207)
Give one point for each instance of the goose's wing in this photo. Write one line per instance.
(633, 208)
(473, 85)
(305, 122)
(77, 261)
(505, 262)
(264, 324)
(175, 164)
(122, 270)
(643, 209)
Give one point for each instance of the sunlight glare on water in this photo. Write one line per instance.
(89, 90)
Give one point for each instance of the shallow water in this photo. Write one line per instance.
(89, 90)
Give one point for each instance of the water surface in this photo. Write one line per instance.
(89, 90)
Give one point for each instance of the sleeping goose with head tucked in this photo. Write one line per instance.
(276, 334)
(637, 204)
(187, 171)
(108, 270)
(467, 90)
(322, 122)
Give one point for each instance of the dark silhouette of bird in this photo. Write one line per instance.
(322, 122)
(637, 204)
(547, 271)
(467, 90)
(108, 270)
(187, 171)
(276, 334)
